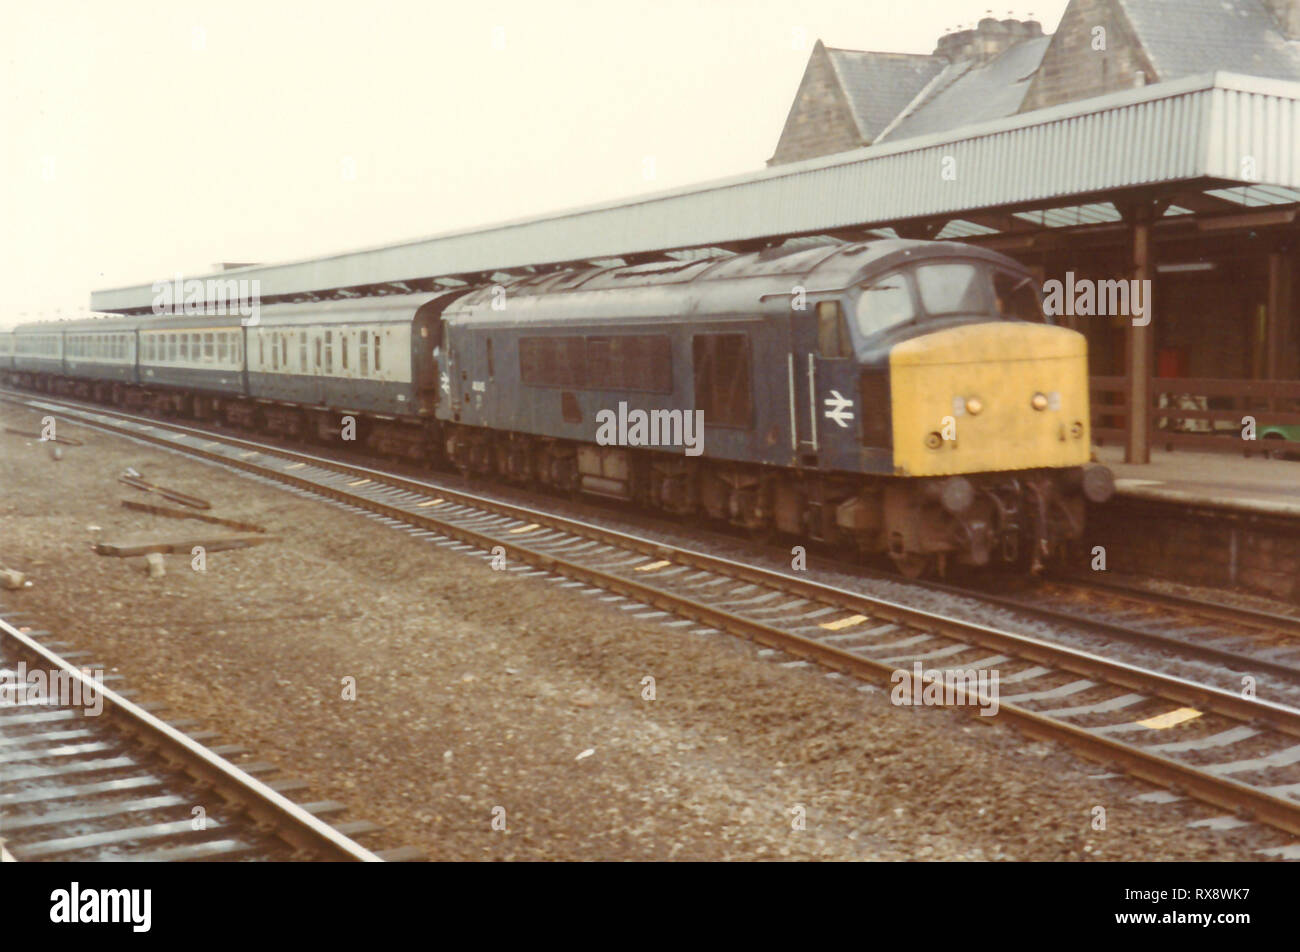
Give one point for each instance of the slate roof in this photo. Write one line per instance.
(879, 86)
(1187, 37)
(965, 93)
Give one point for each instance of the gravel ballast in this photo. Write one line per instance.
(486, 699)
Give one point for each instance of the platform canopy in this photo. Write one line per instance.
(1231, 140)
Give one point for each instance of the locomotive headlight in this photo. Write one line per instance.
(974, 406)
(1039, 401)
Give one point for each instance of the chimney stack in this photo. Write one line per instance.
(991, 38)
(1287, 15)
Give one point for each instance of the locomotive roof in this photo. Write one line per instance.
(727, 283)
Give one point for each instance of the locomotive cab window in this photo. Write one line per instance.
(1016, 297)
(722, 382)
(952, 289)
(884, 303)
(832, 332)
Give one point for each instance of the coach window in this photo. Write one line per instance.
(377, 341)
(223, 347)
(261, 351)
(491, 366)
(284, 350)
(832, 334)
(329, 352)
(184, 353)
(343, 348)
(302, 351)
(209, 350)
(363, 354)
(722, 384)
(318, 352)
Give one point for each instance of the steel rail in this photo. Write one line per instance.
(290, 821)
(1220, 791)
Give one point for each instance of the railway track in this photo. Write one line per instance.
(1240, 639)
(88, 774)
(1238, 753)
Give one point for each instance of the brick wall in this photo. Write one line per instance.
(1072, 69)
(820, 122)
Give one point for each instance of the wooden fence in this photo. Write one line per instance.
(1201, 413)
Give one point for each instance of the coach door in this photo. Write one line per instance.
(426, 342)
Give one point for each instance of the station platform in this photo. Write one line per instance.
(1254, 484)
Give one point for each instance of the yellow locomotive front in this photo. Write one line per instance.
(988, 398)
(982, 407)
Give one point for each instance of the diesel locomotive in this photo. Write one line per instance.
(894, 397)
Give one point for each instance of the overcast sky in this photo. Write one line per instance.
(142, 138)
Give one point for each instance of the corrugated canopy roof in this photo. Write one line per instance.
(1194, 130)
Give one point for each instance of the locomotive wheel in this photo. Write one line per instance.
(914, 565)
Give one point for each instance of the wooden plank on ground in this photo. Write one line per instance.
(185, 546)
(186, 514)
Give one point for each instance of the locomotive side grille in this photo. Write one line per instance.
(877, 428)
